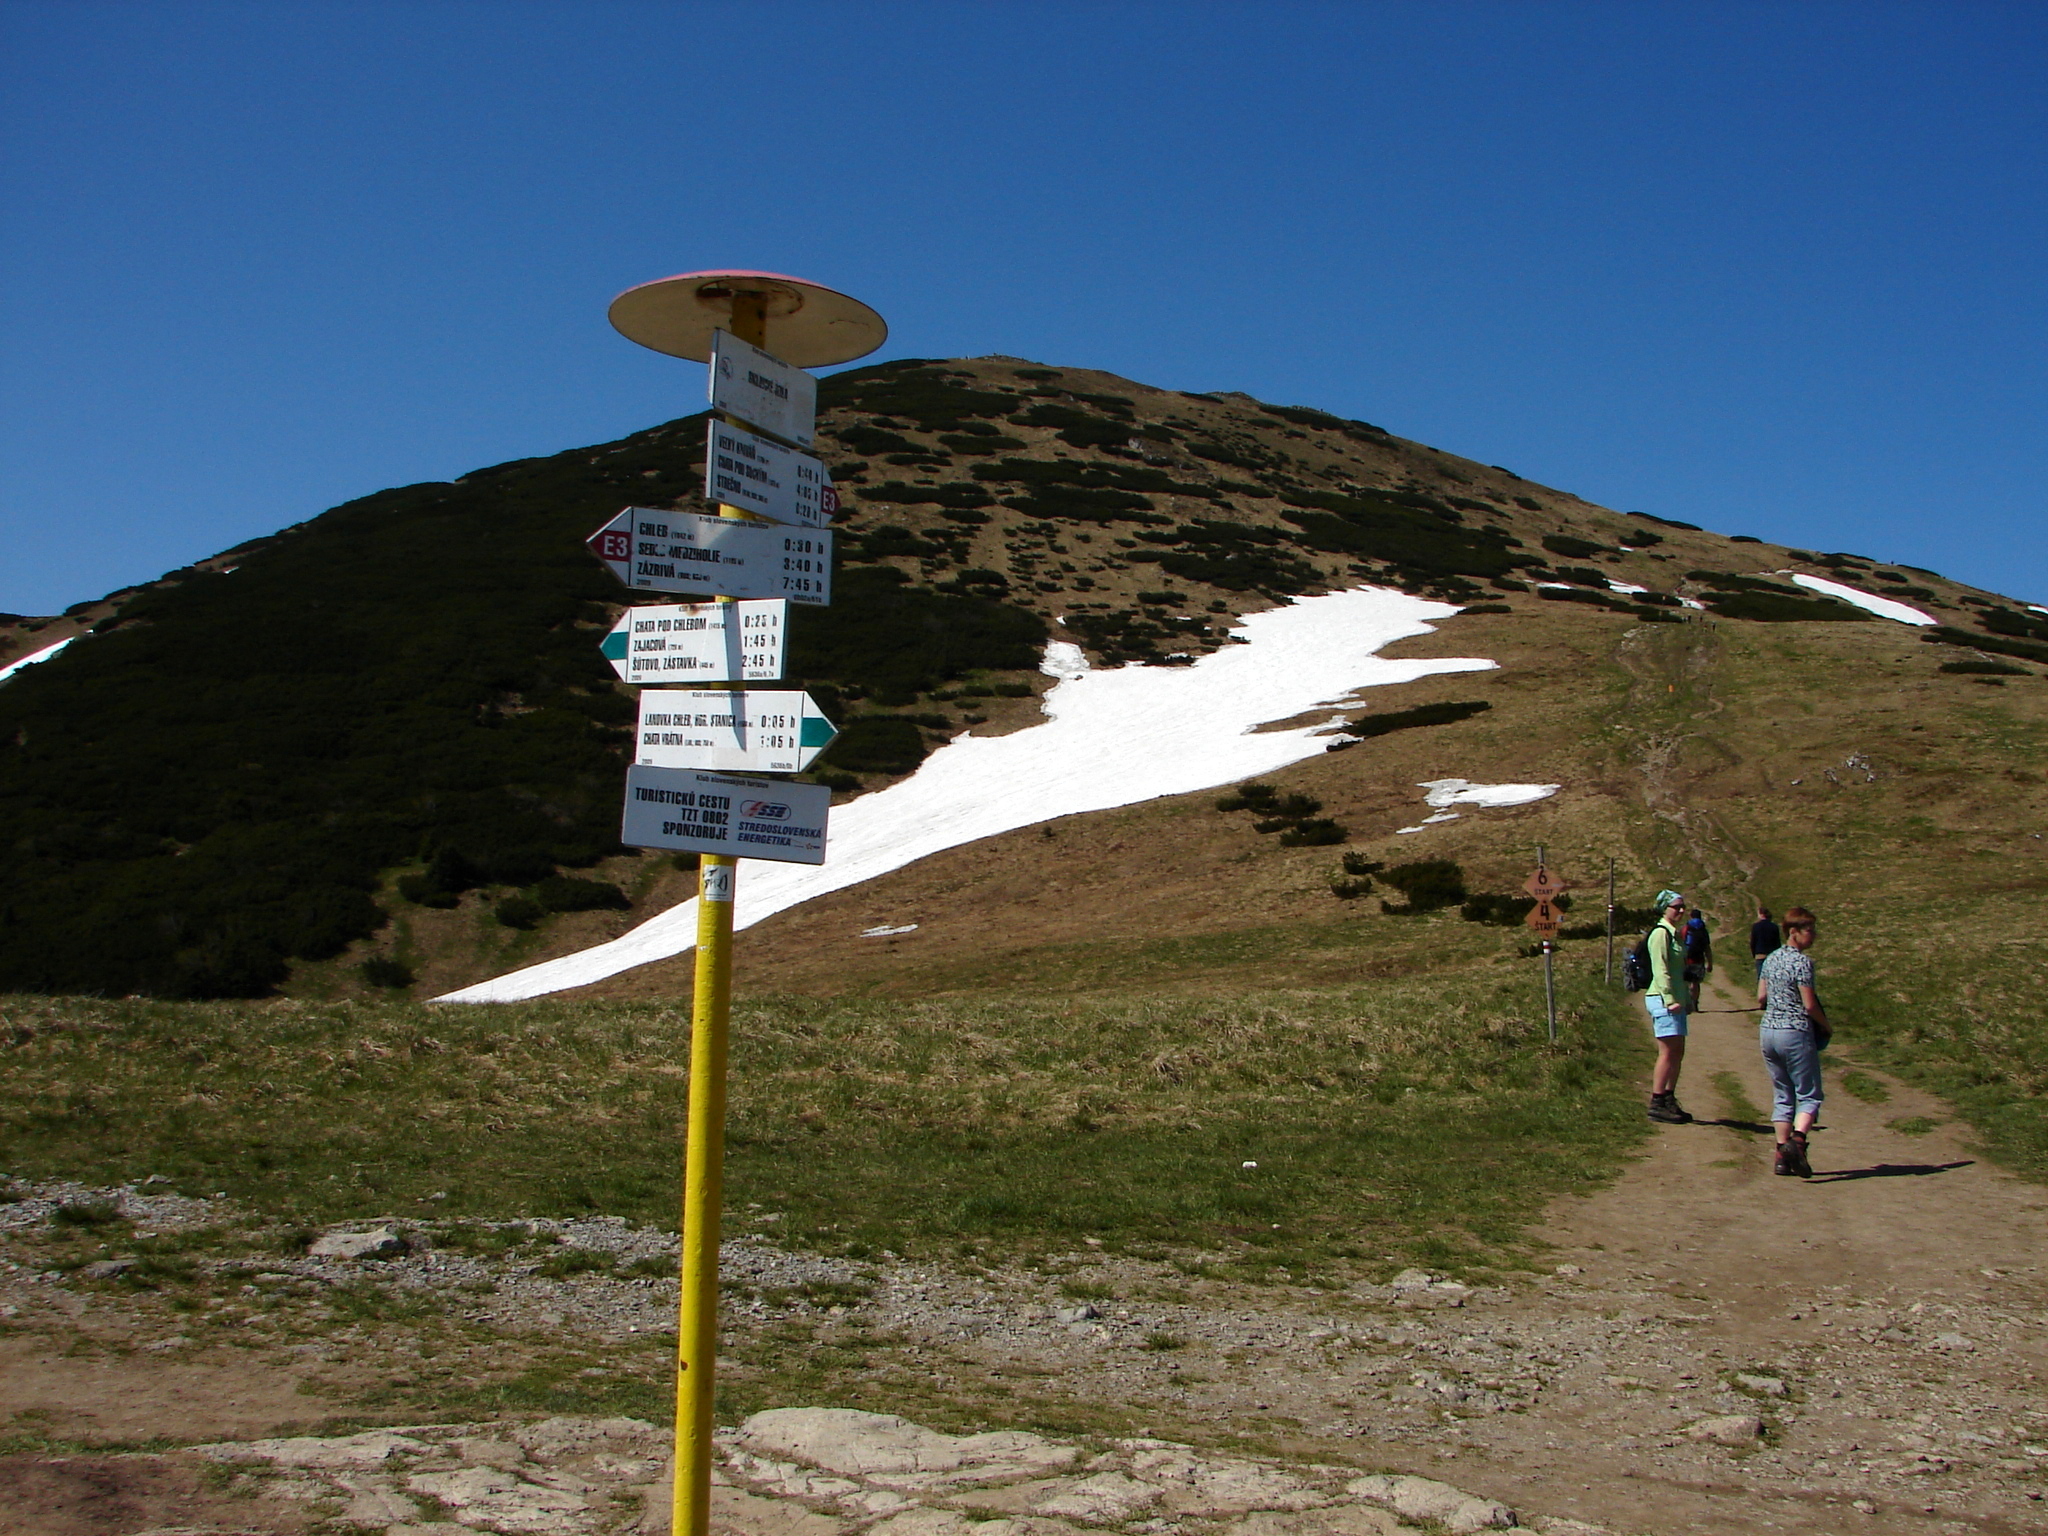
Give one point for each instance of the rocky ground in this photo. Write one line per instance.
(1703, 1348)
(813, 1472)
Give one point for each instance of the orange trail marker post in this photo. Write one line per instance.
(1545, 920)
(759, 330)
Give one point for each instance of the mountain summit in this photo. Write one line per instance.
(389, 728)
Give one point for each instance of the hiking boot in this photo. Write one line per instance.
(1801, 1168)
(1664, 1109)
(1783, 1165)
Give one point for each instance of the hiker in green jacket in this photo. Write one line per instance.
(1666, 1000)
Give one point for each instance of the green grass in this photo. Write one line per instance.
(1913, 1125)
(1861, 1085)
(1424, 1116)
(638, 1385)
(86, 1213)
(1237, 961)
(1736, 1097)
(1086, 1290)
(1964, 1021)
(578, 1261)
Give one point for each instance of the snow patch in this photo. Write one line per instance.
(2036, 608)
(1444, 793)
(33, 657)
(1112, 737)
(1869, 602)
(1447, 792)
(1064, 659)
(885, 931)
(1623, 586)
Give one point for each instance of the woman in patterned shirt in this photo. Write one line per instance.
(1792, 1030)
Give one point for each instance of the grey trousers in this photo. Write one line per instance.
(1794, 1061)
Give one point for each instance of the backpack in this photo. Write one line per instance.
(1636, 975)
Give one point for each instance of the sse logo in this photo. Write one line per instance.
(764, 810)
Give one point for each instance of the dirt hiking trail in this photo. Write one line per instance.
(1892, 1308)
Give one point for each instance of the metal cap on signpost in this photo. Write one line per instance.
(805, 324)
(799, 324)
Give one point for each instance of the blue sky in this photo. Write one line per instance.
(1774, 269)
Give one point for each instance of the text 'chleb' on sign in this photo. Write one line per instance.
(762, 390)
(745, 470)
(659, 551)
(699, 643)
(692, 811)
(755, 730)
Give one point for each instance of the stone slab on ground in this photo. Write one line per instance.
(835, 1472)
(377, 1243)
(1732, 1429)
(881, 1445)
(1424, 1498)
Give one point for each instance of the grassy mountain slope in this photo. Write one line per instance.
(369, 734)
(1831, 765)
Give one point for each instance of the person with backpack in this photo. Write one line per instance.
(1699, 958)
(1666, 999)
(1792, 1032)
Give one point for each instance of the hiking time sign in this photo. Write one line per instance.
(659, 551)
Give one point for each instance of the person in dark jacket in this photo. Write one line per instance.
(1764, 939)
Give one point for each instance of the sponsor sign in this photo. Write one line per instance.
(752, 730)
(655, 551)
(762, 390)
(691, 811)
(748, 471)
(699, 643)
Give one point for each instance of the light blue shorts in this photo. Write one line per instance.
(1669, 1023)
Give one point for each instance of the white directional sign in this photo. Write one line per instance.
(716, 556)
(762, 390)
(699, 643)
(755, 730)
(755, 474)
(692, 811)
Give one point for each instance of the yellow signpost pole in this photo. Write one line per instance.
(704, 1146)
(814, 327)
